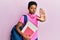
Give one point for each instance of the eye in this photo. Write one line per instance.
(35, 7)
(31, 8)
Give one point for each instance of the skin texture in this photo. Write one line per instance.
(40, 18)
(32, 9)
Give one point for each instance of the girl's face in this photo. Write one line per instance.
(32, 9)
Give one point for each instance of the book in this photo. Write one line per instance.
(30, 29)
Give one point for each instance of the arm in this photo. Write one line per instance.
(19, 24)
(19, 31)
(42, 17)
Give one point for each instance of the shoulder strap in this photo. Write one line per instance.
(25, 19)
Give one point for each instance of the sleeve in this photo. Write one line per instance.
(21, 19)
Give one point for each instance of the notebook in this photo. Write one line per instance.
(30, 30)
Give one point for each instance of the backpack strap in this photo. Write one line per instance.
(25, 21)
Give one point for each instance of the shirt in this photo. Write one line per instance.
(32, 18)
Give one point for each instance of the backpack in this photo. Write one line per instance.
(14, 34)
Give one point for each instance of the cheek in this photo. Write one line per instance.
(31, 10)
(34, 9)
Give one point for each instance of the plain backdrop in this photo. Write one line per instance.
(12, 10)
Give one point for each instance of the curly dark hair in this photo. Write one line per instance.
(31, 3)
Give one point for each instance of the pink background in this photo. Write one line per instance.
(11, 10)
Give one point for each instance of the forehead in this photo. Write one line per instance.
(33, 6)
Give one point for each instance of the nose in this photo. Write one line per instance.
(34, 10)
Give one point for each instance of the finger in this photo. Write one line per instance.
(42, 11)
(41, 8)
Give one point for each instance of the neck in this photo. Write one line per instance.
(31, 13)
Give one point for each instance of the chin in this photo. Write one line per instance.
(33, 13)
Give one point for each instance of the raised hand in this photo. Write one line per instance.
(42, 16)
(42, 12)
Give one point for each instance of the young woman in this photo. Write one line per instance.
(32, 6)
